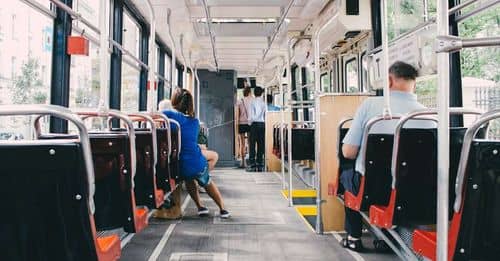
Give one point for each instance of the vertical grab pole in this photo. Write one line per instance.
(282, 133)
(151, 60)
(289, 84)
(386, 113)
(173, 82)
(317, 120)
(197, 91)
(443, 135)
(103, 106)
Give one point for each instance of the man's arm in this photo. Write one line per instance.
(350, 151)
(353, 138)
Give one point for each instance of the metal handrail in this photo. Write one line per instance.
(179, 141)
(464, 155)
(130, 130)
(138, 116)
(413, 115)
(66, 114)
(165, 119)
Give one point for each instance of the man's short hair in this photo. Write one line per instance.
(403, 70)
(257, 91)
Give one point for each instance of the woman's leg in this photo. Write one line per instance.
(192, 189)
(242, 143)
(214, 193)
(212, 158)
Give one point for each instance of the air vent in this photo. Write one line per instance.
(352, 7)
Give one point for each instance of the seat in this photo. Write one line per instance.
(475, 227)
(44, 189)
(162, 166)
(174, 160)
(145, 177)
(375, 184)
(416, 171)
(303, 144)
(114, 197)
(334, 187)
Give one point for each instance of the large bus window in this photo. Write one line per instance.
(168, 75)
(84, 79)
(130, 73)
(404, 15)
(325, 82)
(351, 76)
(426, 91)
(89, 9)
(25, 62)
(481, 66)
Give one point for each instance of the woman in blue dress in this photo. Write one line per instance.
(194, 165)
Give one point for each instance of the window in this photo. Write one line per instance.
(130, 69)
(168, 75)
(351, 76)
(404, 15)
(84, 79)
(25, 62)
(480, 67)
(364, 74)
(89, 9)
(325, 82)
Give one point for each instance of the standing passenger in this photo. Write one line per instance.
(257, 131)
(243, 113)
(402, 85)
(194, 164)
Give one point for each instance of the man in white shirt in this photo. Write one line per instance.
(403, 100)
(257, 131)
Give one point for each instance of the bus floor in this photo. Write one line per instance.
(262, 227)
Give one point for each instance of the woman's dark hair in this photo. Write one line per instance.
(183, 101)
(246, 91)
(403, 70)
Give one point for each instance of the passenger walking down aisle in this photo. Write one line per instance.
(403, 100)
(243, 113)
(257, 131)
(194, 166)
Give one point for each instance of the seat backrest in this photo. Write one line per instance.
(344, 163)
(162, 166)
(479, 234)
(378, 176)
(174, 160)
(416, 177)
(303, 144)
(43, 192)
(114, 196)
(144, 180)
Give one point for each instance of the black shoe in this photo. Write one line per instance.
(224, 214)
(203, 212)
(260, 168)
(251, 169)
(354, 245)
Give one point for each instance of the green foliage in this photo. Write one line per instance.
(481, 62)
(27, 82)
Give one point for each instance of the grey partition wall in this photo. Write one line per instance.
(217, 99)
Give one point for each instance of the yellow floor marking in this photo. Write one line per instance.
(300, 193)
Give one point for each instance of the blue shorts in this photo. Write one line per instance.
(203, 178)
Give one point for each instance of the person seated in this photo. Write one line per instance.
(195, 164)
(402, 84)
(270, 105)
